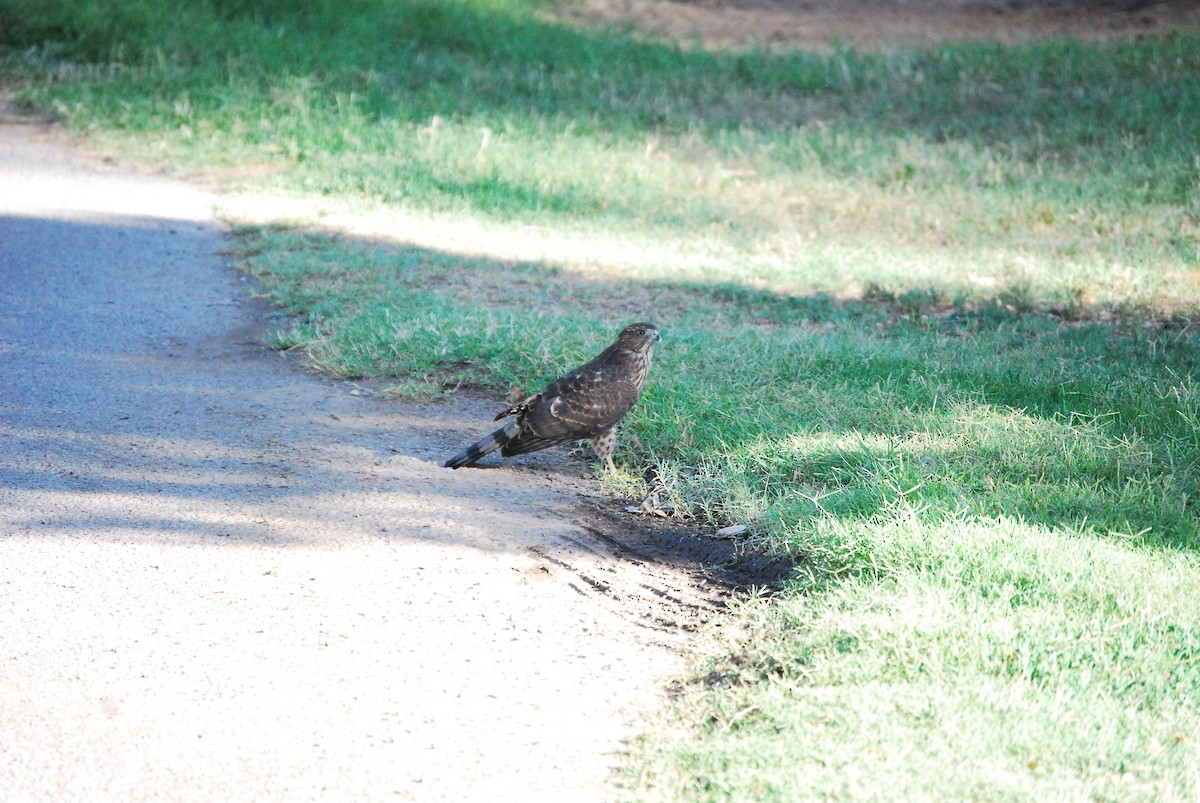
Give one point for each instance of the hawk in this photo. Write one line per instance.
(587, 403)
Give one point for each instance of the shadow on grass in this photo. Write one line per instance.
(782, 408)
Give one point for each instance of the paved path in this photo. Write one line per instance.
(224, 578)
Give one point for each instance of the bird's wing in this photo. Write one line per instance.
(582, 404)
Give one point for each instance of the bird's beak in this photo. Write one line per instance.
(657, 337)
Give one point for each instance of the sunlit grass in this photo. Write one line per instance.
(997, 660)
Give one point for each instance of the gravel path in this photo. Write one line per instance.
(224, 578)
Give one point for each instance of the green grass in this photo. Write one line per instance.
(1001, 159)
(927, 326)
(995, 661)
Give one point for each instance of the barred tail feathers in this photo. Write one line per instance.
(484, 446)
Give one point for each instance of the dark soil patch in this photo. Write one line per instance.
(723, 562)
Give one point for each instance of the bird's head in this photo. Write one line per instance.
(639, 337)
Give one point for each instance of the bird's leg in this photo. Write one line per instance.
(603, 444)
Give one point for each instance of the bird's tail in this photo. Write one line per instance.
(483, 446)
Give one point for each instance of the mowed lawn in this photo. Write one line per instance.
(930, 326)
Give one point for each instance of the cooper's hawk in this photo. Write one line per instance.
(586, 403)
